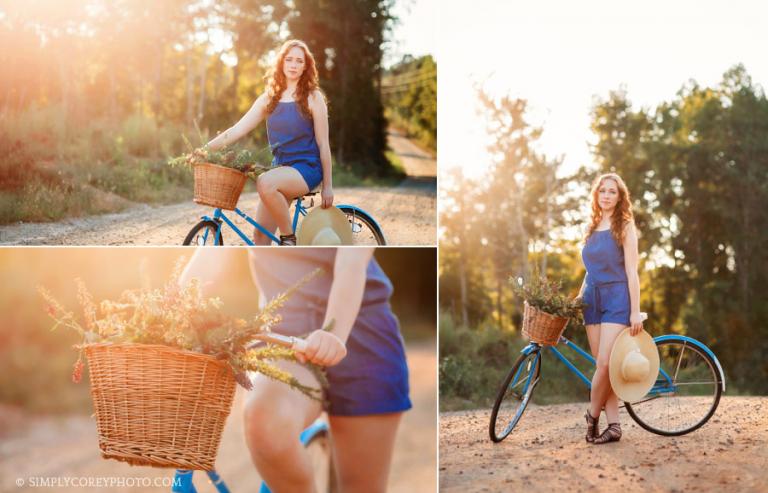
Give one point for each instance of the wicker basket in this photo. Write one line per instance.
(542, 327)
(218, 186)
(159, 406)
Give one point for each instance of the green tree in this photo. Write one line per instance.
(409, 90)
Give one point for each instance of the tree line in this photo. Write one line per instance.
(187, 63)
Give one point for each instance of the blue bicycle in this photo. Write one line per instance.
(315, 439)
(684, 397)
(365, 230)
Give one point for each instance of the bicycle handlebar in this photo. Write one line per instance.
(295, 343)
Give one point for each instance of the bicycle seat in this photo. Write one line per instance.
(311, 192)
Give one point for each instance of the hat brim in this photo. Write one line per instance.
(320, 218)
(633, 391)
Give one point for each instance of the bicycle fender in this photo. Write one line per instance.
(361, 211)
(530, 348)
(699, 345)
(319, 426)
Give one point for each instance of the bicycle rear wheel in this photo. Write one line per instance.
(365, 231)
(514, 395)
(204, 233)
(686, 393)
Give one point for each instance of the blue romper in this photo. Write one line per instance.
(606, 291)
(373, 377)
(292, 140)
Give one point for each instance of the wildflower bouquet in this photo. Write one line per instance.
(545, 295)
(180, 317)
(547, 311)
(244, 160)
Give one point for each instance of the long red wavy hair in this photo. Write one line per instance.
(622, 214)
(308, 83)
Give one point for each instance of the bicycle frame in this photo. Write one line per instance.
(219, 217)
(664, 384)
(182, 481)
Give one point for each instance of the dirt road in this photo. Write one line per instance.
(407, 213)
(547, 453)
(67, 447)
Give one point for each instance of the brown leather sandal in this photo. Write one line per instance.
(288, 240)
(592, 427)
(611, 434)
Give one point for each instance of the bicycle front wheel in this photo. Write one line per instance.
(319, 449)
(204, 233)
(686, 393)
(365, 231)
(514, 395)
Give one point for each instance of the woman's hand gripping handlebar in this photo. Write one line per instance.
(320, 347)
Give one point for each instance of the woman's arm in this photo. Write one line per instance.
(248, 122)
(328, 348)
(630, 266)
(320, 119)
(580, 296)
(209, 266)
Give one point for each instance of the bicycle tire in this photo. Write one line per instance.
(212, 226)
(706, 417)
(363, 221)
(319, 448)
(504, 392)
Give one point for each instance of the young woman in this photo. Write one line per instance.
(364, 353)
(297, 129)
(611, 293)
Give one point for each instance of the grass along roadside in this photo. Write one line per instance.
(42, 182)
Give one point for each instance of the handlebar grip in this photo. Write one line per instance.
(295, 343)
(299, 345)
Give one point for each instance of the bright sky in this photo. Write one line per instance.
(416, 31)
(558, 55)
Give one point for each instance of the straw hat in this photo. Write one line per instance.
(634, 365)
(325, 227)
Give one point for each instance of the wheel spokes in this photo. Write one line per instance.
(684, 395)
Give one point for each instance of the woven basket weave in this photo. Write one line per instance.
(542, 327)
(159, 406)
(218, 186)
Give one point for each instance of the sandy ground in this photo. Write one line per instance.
(546, 452)
(407, 213)
(64, 447)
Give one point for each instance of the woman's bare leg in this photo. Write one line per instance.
(275, 416)
(277, 188)
(612, 403)
(601, 384)
(362, 450)
(264, 218)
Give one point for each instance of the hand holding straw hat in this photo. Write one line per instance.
(634, 365)
(325, 227)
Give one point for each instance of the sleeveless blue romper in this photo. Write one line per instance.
(373, 377)
(606, 291)
(291, 137)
